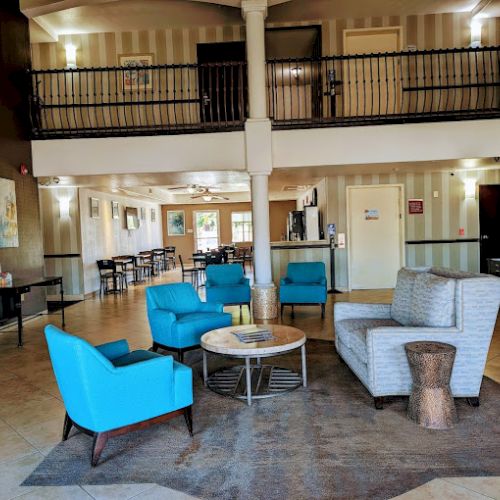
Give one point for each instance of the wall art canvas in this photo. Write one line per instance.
(175, 223)
(8, 214)
(136, 77)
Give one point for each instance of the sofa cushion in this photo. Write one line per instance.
(352, 333)
(433, 302)
(403, 295)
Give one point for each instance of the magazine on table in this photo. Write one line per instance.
(253, 333)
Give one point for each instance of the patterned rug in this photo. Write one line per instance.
(326, 441)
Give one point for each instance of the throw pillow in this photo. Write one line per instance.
(403, 295)
(433, 303)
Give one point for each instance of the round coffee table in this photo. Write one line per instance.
(260, 381)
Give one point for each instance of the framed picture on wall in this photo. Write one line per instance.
(176, 223)
(115, 210)
(135, 77)
(153, 215)
(8, 214)
(94, 208)
(143, 213)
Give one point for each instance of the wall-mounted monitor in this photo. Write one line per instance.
(132, 218)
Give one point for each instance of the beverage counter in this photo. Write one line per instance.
(283, 252)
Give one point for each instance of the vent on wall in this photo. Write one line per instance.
(295, 187)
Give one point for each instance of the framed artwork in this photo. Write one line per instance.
(143, 213)
(94, 208)
(135, 77)
(153, 215)
(8, 214)
(115, 210)
(176, 223)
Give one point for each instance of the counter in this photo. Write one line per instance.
(283, 252)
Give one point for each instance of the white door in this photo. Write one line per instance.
(376, 245)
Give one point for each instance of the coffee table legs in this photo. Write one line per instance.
(205, 367)
(304, 365)
(248, 371)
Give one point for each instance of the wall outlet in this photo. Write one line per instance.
(435, 194)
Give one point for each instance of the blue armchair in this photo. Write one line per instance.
(108, 390)
(178, 318)
(227, 284)
(304, 284)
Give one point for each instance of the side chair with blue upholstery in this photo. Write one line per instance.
(304, 284)
(178, 318)
(108, 390)
(227, 284)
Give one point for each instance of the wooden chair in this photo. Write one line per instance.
(192, 272)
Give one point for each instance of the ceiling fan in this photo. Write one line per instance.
(198, 191)
(207, 195)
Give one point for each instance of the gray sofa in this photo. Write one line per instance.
(429, 304)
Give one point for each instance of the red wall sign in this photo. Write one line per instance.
(415, 206)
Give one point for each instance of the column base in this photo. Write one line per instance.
(264, 302)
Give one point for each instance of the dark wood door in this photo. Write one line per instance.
(489, 224)
(223, 89)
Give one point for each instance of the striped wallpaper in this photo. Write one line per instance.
(178, 45)
(442, 218)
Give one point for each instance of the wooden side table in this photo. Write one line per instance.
(431, 403)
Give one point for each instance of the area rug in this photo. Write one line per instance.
(323, 441)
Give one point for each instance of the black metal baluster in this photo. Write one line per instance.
(387, 87)
(448, 90)
(431, 104)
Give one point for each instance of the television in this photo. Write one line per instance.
(132, 218)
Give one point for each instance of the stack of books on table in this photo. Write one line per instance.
(253, 334)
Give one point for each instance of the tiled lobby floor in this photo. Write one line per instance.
(31, 411)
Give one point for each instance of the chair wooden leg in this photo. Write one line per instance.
(293, 311)
(100, 439)
(154, 347)
(180, 355)
(473, 401)
(68, 424)
(379, 402)
(282, 307)
(188, 416)
(322, 311)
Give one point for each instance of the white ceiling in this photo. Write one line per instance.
(236, 185)
(97, 16)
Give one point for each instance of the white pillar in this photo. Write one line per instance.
(259, 157)
(254, 13)
(260, 224)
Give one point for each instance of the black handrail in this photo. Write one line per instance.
(157, 99)
(393, 87)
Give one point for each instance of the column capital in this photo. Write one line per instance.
(253, 6)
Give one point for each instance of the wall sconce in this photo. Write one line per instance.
(296, 72)
(64, 208)
(70, 56)
(470, 188)
(475, 33)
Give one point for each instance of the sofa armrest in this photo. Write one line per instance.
(351, 310)
(208, 283)
(285, 281)
(113, 350)
(245, 281)
(210, 307)
(322, 281)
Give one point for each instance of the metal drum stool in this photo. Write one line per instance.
(431, 403)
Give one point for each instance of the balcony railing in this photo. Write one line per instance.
(97, 102)
(384, 88)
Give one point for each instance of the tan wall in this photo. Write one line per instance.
(442, 218)
(184, 245)
(178, 45)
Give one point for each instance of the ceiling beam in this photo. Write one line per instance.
(35, 8)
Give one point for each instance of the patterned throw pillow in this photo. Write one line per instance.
(433, 302)
(403, 295)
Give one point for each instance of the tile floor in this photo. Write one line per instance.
(31, 410)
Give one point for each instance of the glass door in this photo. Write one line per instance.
(206, 223)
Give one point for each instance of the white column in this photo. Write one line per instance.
(254, 13)
(260, 224)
